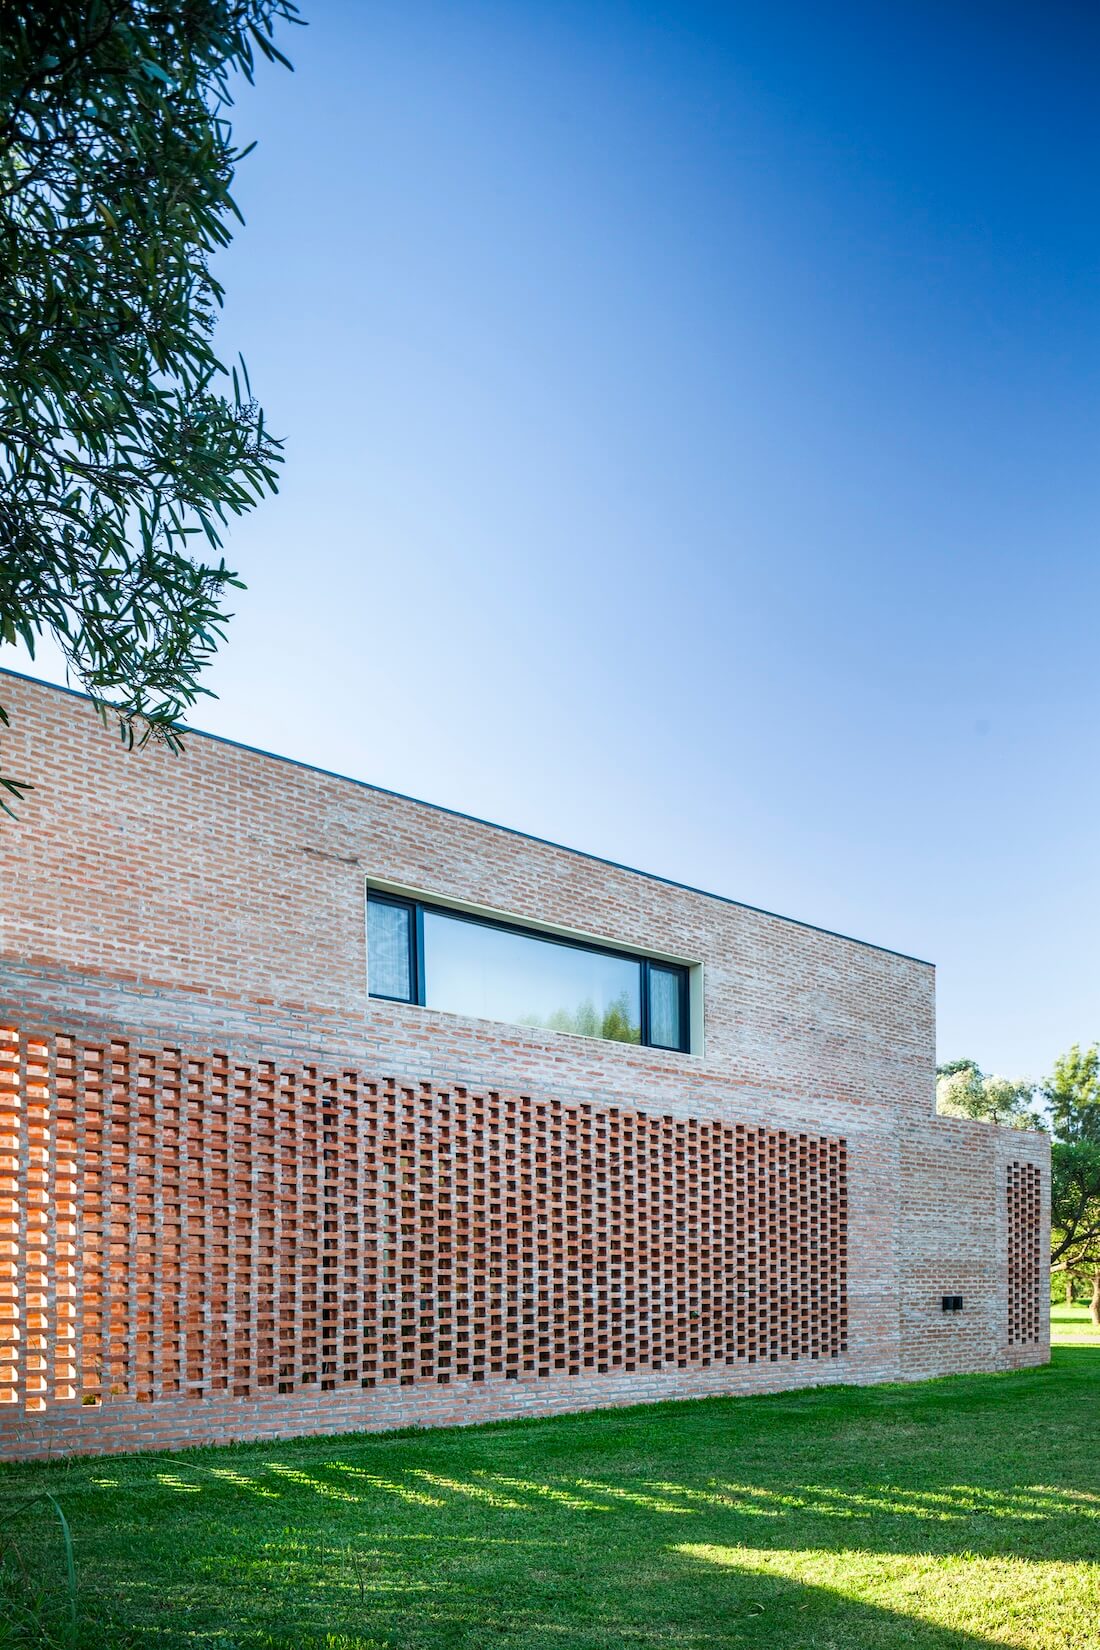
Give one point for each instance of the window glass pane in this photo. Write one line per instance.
(389, 952)
(495, 975)
(664, 1007)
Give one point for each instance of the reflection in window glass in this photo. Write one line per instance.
(389, 950)
(488, 972)
(664, 1006)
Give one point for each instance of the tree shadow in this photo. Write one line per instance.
(758, 1612)
(843, 1517)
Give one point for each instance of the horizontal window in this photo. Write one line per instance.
(493, 971)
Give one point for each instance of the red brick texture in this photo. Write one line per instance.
(259, 1231)
(1025, 1253)
(239, 1198)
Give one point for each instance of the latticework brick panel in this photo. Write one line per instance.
(1025, 1254)
(173, 1226)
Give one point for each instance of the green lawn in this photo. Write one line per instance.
(954, 1514)
(1072, 1323)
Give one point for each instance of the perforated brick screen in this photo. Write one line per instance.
(1025, 1258)
(173, 1225)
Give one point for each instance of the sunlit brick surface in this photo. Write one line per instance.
(1025, 1252)
(251, 1229)
(273, 1241)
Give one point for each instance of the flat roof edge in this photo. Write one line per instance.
(492, 825)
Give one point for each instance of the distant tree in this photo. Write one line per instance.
(615, 1024)
(963, 1090)
(619, 1024)
(1075, 1216)
(124, 443)
(951, 1067)
(1072, 1092)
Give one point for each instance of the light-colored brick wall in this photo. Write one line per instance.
(217, 902)
(953, 1240)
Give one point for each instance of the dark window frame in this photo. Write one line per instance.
(417, 908)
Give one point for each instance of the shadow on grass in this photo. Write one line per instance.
(757, 1611)
(949, 1515)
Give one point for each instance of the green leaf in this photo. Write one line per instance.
(125, 445)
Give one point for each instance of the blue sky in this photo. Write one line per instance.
(691, 426)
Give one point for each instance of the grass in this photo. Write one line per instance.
(1072, 1323)
(945, 1516)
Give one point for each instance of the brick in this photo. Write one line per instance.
(239, 1198)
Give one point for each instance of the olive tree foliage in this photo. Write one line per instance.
(125, 444)
(1072, 1092)
(964, 1090)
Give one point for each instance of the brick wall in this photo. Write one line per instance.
(205, 914)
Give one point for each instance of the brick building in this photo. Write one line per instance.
(325, 1109)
